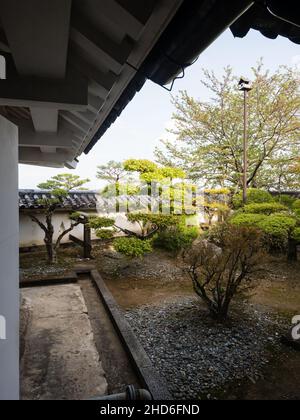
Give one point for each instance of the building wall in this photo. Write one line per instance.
(9, 262)
(32, 235)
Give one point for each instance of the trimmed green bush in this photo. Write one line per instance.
(286, 200)
(296, 205)
(296, 234)
(254, 195)
(277, 227)
(246, 219)
(176, 238)
(105, 234)
(132, 247)
(264, 208)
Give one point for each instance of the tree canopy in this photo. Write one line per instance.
(208, 134)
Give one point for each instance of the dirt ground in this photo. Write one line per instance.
(159, 278)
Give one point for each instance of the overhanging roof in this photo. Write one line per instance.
(73, 65)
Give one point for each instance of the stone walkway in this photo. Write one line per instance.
(60, 360)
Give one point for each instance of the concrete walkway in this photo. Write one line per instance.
(60, 359)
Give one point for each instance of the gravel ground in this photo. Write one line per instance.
(158, 265)
(45, 270)
(197, 356)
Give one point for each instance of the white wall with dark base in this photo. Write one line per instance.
(9, 262)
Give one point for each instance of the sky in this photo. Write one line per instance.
(143, 123)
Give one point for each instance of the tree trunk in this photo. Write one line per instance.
(51, 251)
(292, 250)
(220, 315)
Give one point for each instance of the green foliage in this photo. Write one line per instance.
(217, 191)
(150, 171)
(118, 189)
(176, 238)
(103, 226)
(264, 208)
(296, 234)
(245, 219)
(132, 247)
(286, 200)
(276, 227)
(296, 205)
(100, 222)
(112, 172)
(254, 196)
(105, 234)
(207, 135)
(161, 221)
(171, 172)
(76, 215)
(62, 183)
(140, 165)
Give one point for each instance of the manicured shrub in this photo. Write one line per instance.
(254, 195)
(245, 219)
(103, 227)
(276, 227)
(132, 247)
(296, 235)
(286, 200)
(105, 234)
(264, 208)
(176, 238)
(296, 208)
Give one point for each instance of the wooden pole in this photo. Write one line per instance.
(245, 148)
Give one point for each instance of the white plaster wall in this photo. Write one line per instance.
(9, 260)
(32, 235)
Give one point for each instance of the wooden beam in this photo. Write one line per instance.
(36, 156)
(62, 140)
(82, 28)
(77, 122)
(95, 103)
(44, 120)
(88, 116)
(38, 35)
(111, 11)
(72, 93)
(104, 79)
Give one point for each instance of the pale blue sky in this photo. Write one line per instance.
(139, 129)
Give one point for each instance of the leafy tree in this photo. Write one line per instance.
(57, 189)
(149, 172)
(255, 195)
(114, 173)
(224, 266)
(208, 143)
(142, 166)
